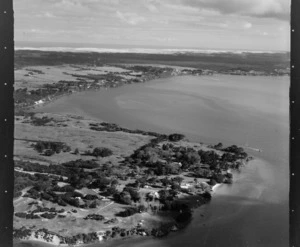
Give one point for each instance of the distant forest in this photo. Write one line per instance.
(219, 62)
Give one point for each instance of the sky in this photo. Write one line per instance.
(262, 25)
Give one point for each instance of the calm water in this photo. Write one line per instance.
(232, 109)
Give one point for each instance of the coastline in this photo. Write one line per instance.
(215, 190)
(199, 209)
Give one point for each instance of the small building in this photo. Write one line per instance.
(38, 102)
(185, 186)
(153, 194)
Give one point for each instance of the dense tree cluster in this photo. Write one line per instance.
(238, 151)
(48, 215)
(101, 183)
(24, 232)
(27, 215)
(36, 121)
(100, 152)
(128, 212)
(175, 137)
(96, 217)
(111, 127)
(24, 180)
(127, 196)
(49, 148)
(36, 167)
(86, 164)
(71, 197)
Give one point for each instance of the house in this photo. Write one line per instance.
(153, 194)
(100, 235)
(185, 186)
(39, 102)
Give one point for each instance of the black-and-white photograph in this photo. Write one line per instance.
(151, 123)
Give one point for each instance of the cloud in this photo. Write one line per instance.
(247, 25)
(278, 9)
(46, 15)
(130, 18)
(152, 8)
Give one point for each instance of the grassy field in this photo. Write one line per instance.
(76, 134)
(33, 77)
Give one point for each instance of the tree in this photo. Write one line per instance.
(202, 173)
(114, 183)
(125, 197)
(218, 146)
(141, 182)
(49, 152)
(178, 180)
(219, 178)
(175, 186)
(163, 195)
(172, 168)
(76, 151)
(135, 196)
(102, 152)
(175, 137)
(165, 181)
(212, 182)
(111, 191)
(100, 183)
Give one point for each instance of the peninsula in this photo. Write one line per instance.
(79, 180)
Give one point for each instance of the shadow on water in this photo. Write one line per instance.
(227, 220)
(222, 222)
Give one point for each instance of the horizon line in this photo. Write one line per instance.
(37, 45)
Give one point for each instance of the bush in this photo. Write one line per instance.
(220, 178)
(87, 164)
(90, 197)
(123, 197)
(134, 194)
(48, 215)
(94, 217)
(21, 215)
(55, 147)
(175, 137)
(212, 182)
(206, 195)
(49, 152)
(228, 180)
(102, 152)
(40, 121)
(128, 212)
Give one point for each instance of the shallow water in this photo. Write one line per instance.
(232, 109)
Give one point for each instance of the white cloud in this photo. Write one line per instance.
(247, 25)
(152, 8)
(46, 15)
(130, 18)
(224, 25)
(279, 9)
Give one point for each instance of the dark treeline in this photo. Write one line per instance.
(217, 61)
